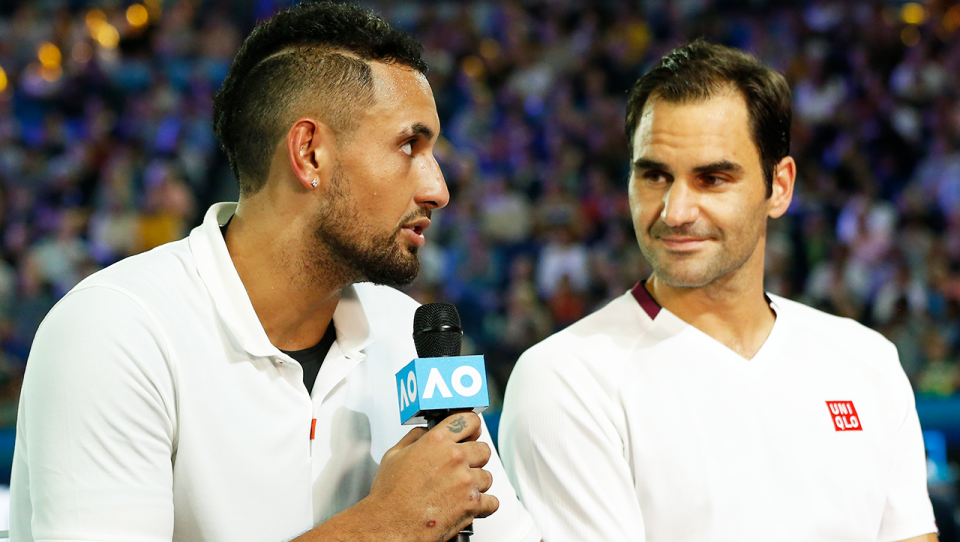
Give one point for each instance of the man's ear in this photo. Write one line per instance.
(784, 177)
(310, 147)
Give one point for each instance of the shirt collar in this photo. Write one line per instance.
(646, 301)
(653, 308)
(353, 328)
(234, 307)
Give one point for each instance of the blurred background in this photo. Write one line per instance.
(106, 150)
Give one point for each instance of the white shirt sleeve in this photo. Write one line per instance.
(511, 522)
(96, 426)
(908, 512)
(562, 448)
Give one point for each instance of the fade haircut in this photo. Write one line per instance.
(310, 58)
(700, 70)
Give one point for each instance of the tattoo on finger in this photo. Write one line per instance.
(458, 425)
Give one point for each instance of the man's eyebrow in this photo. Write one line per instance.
(646, 163)
(419, 129)
(723, 166)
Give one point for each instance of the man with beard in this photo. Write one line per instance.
(695, 407)
(239, 384)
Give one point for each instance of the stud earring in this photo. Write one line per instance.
(314, 183)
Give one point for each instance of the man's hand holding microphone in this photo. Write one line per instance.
(431, 485)
(433, 480)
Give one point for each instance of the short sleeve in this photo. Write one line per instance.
(564, 454)
(96, 426)
(908, 512)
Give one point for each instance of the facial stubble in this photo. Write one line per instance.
(697, 270)
(351, 253)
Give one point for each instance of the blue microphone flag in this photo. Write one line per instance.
(450, 382)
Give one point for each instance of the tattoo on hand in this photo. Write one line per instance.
(457, 425)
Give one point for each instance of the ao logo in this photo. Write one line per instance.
(444, 383)
(435, 383)
(408, 393)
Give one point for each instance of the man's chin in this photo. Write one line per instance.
(394, 281)
(683, 278)
(394, 275)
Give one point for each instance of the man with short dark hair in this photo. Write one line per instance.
(239, 384)
(696, 407)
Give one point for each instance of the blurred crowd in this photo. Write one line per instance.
(106, 150)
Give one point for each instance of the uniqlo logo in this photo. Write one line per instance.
(845, 416)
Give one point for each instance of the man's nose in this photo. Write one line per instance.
(681, 205)
(433, 192)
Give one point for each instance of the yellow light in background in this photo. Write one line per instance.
(913, 13)
(910, 36)
(50, 73)
(472, 66)
(94, 18)
(951, 21)
(137, 15)
(106, 35)
(3, 79)
(82, 52)
(489, 48)
(49, 55)
(638, 35)
(154, 9)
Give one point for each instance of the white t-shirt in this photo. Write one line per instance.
(634, 425)
(155, 408)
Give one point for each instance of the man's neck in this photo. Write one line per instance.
(292, 299)
(733, 310)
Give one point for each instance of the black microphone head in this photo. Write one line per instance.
(436, 330)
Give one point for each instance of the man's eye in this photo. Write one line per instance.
(654, 177)
(713, 180)
(407, 148)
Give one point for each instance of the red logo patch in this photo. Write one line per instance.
(845, 416)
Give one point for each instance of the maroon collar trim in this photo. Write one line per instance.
(646, 301)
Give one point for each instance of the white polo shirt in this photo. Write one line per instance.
(634, 425)
(154, 408)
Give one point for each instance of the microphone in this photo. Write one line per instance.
(440, 381)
